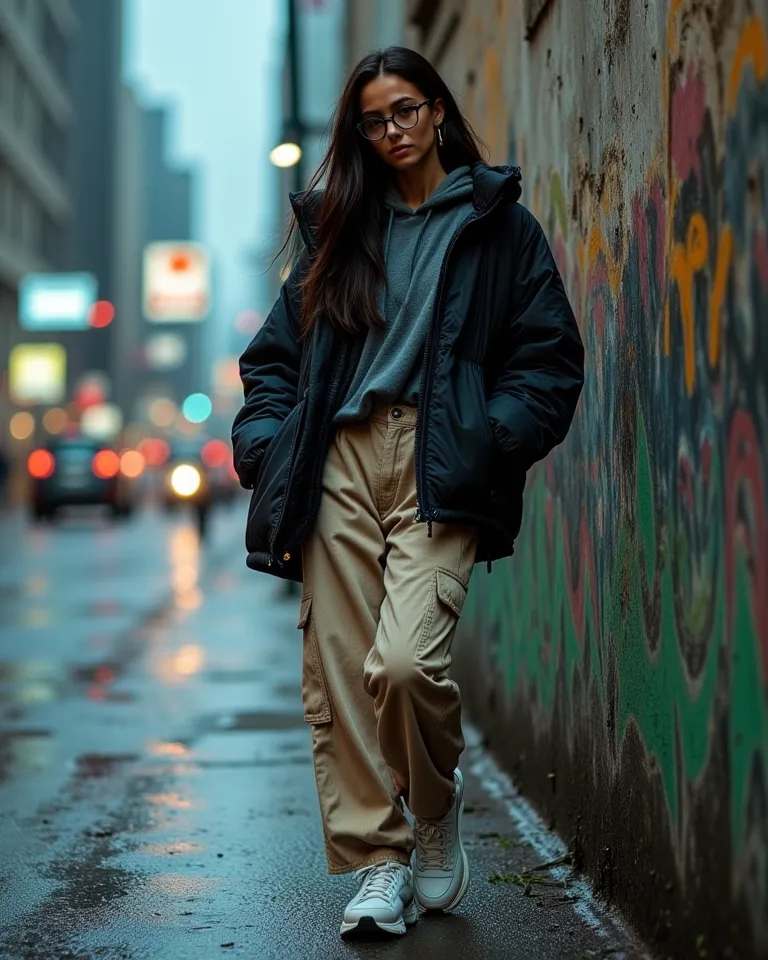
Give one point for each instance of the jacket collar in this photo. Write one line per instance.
(490, 186)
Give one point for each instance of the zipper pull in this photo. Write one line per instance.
(429, 528)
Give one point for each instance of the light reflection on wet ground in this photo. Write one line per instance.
(157, 795)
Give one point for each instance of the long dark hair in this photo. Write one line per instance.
(345, 273)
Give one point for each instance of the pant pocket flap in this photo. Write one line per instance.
(451, 591)
(304, 612)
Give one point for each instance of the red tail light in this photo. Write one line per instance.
(41, 464)
(106, 464)
(215, 454)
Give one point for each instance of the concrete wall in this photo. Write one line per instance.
(619, 662)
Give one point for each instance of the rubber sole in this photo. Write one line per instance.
(369, 927)
(460, 894)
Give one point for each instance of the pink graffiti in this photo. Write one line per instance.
(688, 111)
(761, 257)
(745, 484)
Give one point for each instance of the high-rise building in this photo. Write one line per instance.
(36, 115)
(168, 216)
(95, 89)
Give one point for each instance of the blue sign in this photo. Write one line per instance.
(56, 301)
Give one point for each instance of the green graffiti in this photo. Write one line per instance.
(525, 605)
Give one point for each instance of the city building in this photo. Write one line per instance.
(168, 198)
(36, 118)
(95, 69)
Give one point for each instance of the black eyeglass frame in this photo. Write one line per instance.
(385, 120)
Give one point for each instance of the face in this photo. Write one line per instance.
(389, 94)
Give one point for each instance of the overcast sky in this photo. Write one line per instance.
(214, 61)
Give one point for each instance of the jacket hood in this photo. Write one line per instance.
(490, 185)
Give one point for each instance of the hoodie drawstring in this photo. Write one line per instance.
(389, 234)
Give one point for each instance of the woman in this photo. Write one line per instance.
(421, 356)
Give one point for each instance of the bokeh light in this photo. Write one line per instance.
(215, 454)
(197, 407)
(106, 464)
(101, 314)
(285, 154)
(102, 421)
(186, 480)
(154, 450)
(41, 464)
(132, 464)
(162, 412)
(55, 420)
(22, 425)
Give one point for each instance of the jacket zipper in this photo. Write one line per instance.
(423, 511)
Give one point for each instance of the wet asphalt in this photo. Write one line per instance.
(157, 798)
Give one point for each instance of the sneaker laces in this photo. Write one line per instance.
(379, 881)
(434, 840)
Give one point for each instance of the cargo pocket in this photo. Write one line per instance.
(314, 695)
(451, 591)
(443, 610)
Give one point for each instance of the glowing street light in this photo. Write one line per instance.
(285, 154)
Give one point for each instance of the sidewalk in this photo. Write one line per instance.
(187, 825)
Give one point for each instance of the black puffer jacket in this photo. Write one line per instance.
(502, 376)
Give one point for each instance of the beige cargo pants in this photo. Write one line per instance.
(379, 609)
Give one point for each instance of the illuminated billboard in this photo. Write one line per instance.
(37, 373)
(176, 282)
(56, 301)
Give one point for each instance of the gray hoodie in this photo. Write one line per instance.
(414, 242)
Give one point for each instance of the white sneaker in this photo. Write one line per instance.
(441, 871)
(384, 901)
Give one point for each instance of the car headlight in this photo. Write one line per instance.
(186, 480)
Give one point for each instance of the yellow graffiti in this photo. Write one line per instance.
(672, 25)
(597, 245)
(752, 47)
(686, 262)
(717, 297)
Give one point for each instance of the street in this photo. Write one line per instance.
(157, 797)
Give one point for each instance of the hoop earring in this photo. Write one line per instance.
(439, 136)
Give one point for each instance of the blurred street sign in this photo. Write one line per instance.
(176, 282)
(37, 373)
(56, 301)
(165, 351)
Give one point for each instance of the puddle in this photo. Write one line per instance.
(257, 720)
(92, 766)
(25, 751)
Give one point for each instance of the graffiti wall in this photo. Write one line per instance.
(619, 662)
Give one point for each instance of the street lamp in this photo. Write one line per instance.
(285, 154)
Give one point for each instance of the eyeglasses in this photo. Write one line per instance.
(407, 116)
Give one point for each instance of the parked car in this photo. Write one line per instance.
(75, 470)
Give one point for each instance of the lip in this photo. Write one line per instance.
(400, 150)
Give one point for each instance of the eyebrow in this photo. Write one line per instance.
(393, 106)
